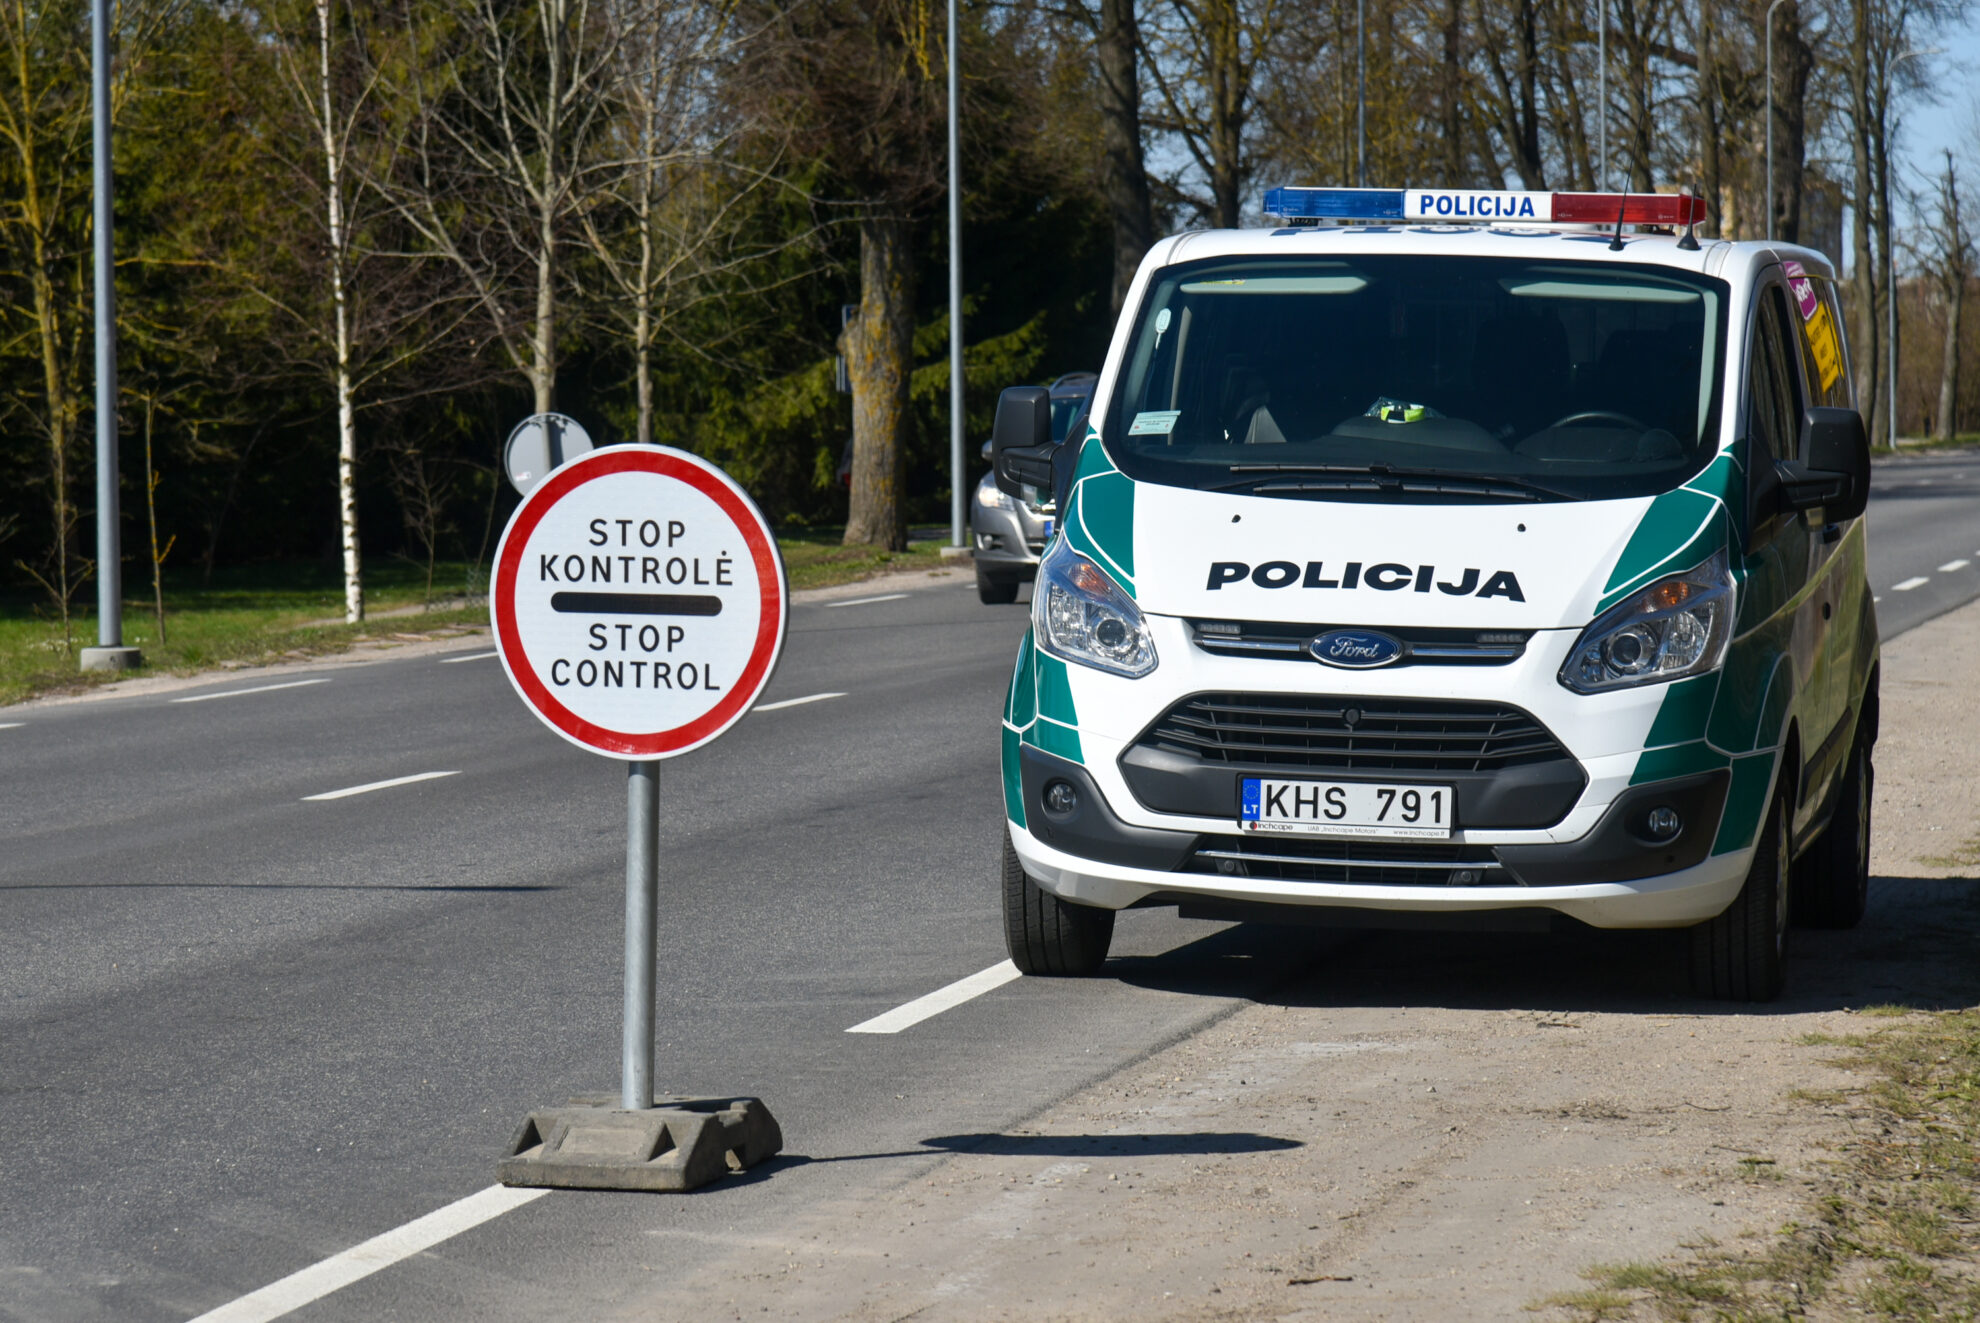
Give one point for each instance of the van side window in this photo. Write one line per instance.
(1775, 387)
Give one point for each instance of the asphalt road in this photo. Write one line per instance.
(242, 1031)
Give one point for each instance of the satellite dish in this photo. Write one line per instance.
(542, 442)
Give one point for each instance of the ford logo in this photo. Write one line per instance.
(1356, 649)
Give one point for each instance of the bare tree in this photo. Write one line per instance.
(507, 124)
(667, 227)
(1205, 59)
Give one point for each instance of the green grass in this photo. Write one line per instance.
(1892, 1233)
(254, 613)
(294, 610)
(814, 558)
(1913, 447)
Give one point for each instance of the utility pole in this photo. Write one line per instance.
(956, 493)
(1890, 258)
(109, 654)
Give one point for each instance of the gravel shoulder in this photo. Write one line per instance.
(1425, 1127)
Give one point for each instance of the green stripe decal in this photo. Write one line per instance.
(1680, 529)
(1098, 521)
(1056, 739)
(1055, 700)
(1677, 760)
(1746, 801)
(1686, 707)
(1013, 782)
(1021, 705)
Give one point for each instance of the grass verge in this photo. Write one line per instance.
(292, 611)
(246, 614)
(814, 559)
(1892, 1231)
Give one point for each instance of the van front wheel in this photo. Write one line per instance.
(1739, 956)
(1832, 882)
(1047, 935)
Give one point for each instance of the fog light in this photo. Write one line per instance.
(1466, 877)
(1663, 823)
(1060, 797)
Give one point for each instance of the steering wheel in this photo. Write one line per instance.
(1590, 415)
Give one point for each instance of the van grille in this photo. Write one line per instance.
(1360, 863)
(1314, 733)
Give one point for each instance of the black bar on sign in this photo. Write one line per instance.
(637, 604)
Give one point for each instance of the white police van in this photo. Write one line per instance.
(1448, 557)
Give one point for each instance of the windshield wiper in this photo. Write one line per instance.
(1388, 477)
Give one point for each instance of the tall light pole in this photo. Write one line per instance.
(1770, 115)
(109, 654)
(1890, 266)
(955, 305)
(1361, 93)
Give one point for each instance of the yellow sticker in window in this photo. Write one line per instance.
(1822, 343)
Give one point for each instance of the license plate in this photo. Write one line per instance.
(1048, 528)
(1346, 808)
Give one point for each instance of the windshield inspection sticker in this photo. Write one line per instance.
(1159, 423)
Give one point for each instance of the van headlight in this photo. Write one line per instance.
(1676, 627)
(1081, 615)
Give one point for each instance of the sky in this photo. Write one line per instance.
(1951, 120)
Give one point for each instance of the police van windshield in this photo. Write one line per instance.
(1422, 378)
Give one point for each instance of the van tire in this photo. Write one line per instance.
(1047, 935)
(995, 592)
(1832, 880)
(1740, 955)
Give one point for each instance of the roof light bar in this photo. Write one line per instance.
(1467, 206)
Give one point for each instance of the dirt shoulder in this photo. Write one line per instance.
(1432, 1127)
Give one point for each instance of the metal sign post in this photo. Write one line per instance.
(640, 607)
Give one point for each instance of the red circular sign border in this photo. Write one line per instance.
(770, 629)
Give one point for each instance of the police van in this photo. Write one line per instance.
(1452, 558)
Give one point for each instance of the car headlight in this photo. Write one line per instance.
(1676, 627)
(992, 497)
(1081, 615)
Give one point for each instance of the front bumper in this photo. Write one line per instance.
(1575, 844)
(1006, 544)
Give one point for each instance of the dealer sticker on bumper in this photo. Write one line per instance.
(1346, 808)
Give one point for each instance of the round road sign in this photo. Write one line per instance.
(639, 601)
(539, 444)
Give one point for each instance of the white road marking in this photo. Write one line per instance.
(863, 601)
(1916, 581)
(794, 702)
(360, 1261)
(378, 785)
(258, 689)
(11, 725)
(1952, 565)
(942, 999)
(472, 656)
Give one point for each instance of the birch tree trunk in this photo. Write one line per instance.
(334, 177)
(879, 357)
(1864, 337)
(1953, 272)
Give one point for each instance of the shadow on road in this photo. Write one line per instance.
(1192, 1144)
(1918, 946)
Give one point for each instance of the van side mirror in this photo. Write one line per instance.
(1021, 440)
(1833, 473)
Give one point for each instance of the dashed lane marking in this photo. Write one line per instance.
(867, 601)
(12, 725)
(942, 999)
(348, 791)
(258, 689)
(360, 1261)
(1916, 581)
(795, 702)
(472, 656)
(1952, 565)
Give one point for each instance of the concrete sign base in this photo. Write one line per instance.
(678, 1144)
